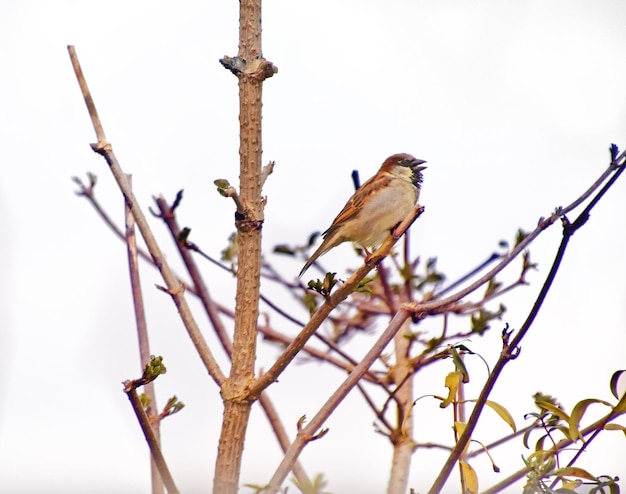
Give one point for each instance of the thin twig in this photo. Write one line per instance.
(151, 439)
(166, 213)
(142, 335)
(88, 193)
(510, 349)
(174, 287)
(439, 306)
(594, 428)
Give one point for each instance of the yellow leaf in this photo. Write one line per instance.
(571, 485)
(471, 479)
(503, 412)
(553, 409)
(459, 427)
(577, 413)
(615, 427)
(575, 472)
(452, 383)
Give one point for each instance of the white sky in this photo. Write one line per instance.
(513, 104)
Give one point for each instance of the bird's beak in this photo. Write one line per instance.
(416, 165)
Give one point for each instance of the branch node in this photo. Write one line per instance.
(514, 353)
(101, 147)
(178, 291)
(305, 435)
(260, 69)
(300, 423)
(245, 225)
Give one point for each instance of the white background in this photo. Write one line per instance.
(513, 104)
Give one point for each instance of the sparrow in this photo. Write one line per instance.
(376, 207)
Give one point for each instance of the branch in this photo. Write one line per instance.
(310, 432)
(142, 335)
(330, 304)
(88, 193)
(167, 214)
(438, 306)
(174, 287)
(151, 371)
(511, 348)
(561, 445)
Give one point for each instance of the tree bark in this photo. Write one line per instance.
(235, 391)
(402, 437)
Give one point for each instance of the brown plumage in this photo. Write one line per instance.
(376, 207)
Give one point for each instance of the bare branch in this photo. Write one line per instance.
(153, 443)
(174, 286)
(510, 349)
(438, 306)
(142, 335)
(310, 431)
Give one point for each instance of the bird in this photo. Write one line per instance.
(376, 207)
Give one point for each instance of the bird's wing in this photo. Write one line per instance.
(356, 203)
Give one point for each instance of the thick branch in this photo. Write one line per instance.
(166, 212)
(249, 221)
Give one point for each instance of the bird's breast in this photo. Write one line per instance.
(382, 212)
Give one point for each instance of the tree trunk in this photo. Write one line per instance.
(235, 391)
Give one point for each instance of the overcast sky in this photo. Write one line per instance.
(513, 105)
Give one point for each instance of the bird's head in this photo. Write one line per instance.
(405, 164)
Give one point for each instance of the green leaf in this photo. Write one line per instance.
(222, 183)
(145, 400)
(480, 319)
(231, 251)
(310, 302)
(153, 369)
(492, 287)
(173, 406)
(364, 285)
(222, 186)
(323, 287)
(459, 364)
(284, 249)
(520, 236)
